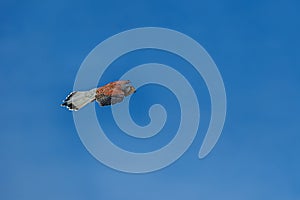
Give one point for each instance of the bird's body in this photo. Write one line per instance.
(109, 94)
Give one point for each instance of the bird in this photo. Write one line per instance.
(109, 94)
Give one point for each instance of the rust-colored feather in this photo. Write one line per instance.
(113, 92)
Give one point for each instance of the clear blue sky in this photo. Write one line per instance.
(255, 44)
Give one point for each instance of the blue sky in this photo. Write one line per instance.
(255, 45)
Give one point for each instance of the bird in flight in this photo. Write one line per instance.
(108, 94)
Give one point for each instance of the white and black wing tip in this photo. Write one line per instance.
(79, 99)
(68, 102)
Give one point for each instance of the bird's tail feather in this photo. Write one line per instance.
(77, 100)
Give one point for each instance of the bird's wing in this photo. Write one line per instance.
(109, 94)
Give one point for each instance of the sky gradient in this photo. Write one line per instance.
(255, 45)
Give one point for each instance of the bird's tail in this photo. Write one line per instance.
(77, 100)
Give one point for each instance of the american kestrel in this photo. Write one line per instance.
(109, 94)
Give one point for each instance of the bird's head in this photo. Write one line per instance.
(130, 90)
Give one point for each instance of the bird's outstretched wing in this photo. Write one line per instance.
(112, 93)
